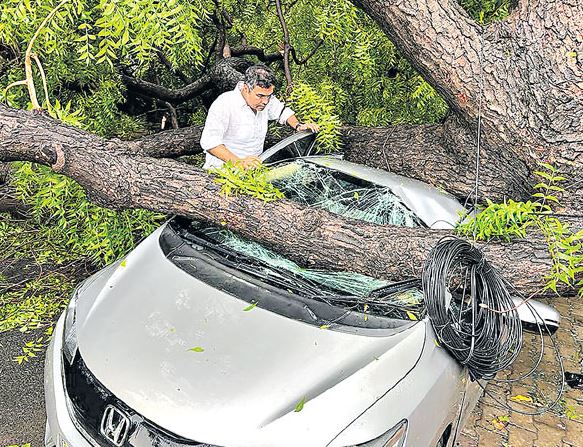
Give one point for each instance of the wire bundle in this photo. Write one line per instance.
(470, 308)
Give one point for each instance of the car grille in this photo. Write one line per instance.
(89, 400)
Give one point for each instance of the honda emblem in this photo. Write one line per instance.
(115, 425)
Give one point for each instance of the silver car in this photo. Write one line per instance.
(200, 337)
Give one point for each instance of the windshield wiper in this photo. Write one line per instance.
(261, 269)
(391, 289)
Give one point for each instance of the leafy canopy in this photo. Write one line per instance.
(356, 74)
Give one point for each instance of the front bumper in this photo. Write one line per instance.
(60, 429)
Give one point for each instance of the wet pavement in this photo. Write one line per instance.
(493, 424)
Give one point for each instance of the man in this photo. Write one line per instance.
(236, 124)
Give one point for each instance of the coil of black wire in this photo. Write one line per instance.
(470, 308)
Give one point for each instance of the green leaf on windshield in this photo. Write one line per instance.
(251, 306)
(197, 349)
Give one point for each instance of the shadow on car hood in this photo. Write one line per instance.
(191, 359)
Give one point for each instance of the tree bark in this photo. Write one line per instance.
(521, 77)
(115, 175)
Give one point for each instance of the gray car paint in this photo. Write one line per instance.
(256, 366)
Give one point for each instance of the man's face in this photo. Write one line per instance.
(258, 97)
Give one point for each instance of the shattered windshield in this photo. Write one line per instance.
(347, 290)
(352, 296)
(341, 194)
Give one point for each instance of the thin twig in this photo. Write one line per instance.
(28, 56)
(286, 48)
(310, 54)
(44, 79)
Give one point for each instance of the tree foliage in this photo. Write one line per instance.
(510, 220)
(88, 44)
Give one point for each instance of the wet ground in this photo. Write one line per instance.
(494, 425)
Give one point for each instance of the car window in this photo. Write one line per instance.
(297, 145)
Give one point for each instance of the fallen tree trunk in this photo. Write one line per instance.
(115, 175)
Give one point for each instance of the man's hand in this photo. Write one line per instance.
(249, 162)
(308, 126)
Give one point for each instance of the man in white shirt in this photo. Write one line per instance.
(236, 124)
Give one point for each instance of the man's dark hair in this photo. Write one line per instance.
(260, 75)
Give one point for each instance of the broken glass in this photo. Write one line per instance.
(349, 290)
(341, 194)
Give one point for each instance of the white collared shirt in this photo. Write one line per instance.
(232, 122)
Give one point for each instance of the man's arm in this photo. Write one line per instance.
(278, 111)
(294, 123)
(221, 151)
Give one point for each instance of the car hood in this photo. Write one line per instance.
(191, 359)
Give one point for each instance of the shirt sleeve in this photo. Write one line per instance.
(215, 125)
(278, 111)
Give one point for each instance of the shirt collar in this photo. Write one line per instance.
(240, 100)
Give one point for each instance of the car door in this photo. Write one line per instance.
(299, 144)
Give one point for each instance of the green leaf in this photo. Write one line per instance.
(250, 307)
(197, 349)
(300, 405)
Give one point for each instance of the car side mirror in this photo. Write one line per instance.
(537, 314)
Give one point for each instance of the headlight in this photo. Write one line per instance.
(395, 437)
(70, 332)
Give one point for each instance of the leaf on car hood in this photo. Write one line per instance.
(300, 405)
(251, 306)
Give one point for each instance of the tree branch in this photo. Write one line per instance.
(286, 48)
(245, 50)
(439, 154)
(223, 75)
(168, 144)
(309, 55)
(174, 96)
(313, 236)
